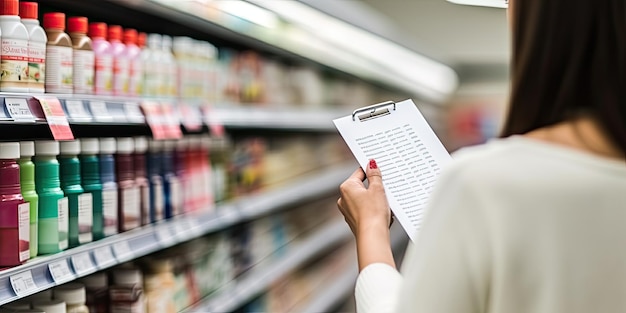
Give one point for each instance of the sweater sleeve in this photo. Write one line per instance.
(377, 288)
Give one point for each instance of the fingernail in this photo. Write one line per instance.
(373, 164)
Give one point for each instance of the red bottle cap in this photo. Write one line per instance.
(9, 7)
(55, 20)
(115, 33)
(29, 10)
(130, 36)
(97, 30)
(77, 24)
(141, 39)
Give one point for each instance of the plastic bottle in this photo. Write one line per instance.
(80, 203)
(129, 214)
(157, 199)
(182, 53)
(126, 293)
(53, 205)
(182, 171)
(84, 59)
(173, 193)
(103, 84)
(14, 212)
(121, 64)
(36, 47)
(51, 306)
(74, 296)
(143, 57)
(153, 72)
(27, 183)
(59, 66)
(14, 44)
(109, 186)
(169, 68)
(135, 65)
(90, 180)
(141, 178)
(97, 286)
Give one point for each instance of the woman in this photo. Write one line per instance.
(534, 221)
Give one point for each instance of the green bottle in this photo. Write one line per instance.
(90, 179)
(27, 183)
(80, 202)
(53, 205)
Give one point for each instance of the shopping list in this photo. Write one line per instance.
(407, 151)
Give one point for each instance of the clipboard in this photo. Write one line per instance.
(408, 152)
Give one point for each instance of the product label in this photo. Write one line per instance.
(36, 65)
(84, 65)
(85, 218)
(59, 69)
(121, 76)
(145, 204)
(109, 211)
(14, 59)
(63, 208)
(176, 196)
(153, 79)
(158, 201)
(23, 211)
(131, 207)
(104, 75)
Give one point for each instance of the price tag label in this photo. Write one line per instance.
(99, 110)
(152, 111)
(104, 257)
(195, 227)
(23, 283)
(172, 121)
(57, 121)
(165, 236)
(133, 112)
(76, 109)
(18, 109)
(60, 271)
(216, 126)
(122, 250)
(182, 229)
(82, 263)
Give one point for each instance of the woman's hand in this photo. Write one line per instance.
(366, 211)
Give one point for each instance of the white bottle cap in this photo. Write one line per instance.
(141, 144)
(70, 147)
(46, 147)
(72, 293)
(9, 150)
(90, 145)
(125, 145)
(154, 41)
(107, 145)
(51, 306)
(155, 145)
(166, 41)
(96, 281)
(127, 276)
(27, 148)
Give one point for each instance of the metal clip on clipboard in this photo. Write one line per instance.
(373, 111)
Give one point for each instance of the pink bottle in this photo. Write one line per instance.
(136, 65)
(104, 59)
(121, 66)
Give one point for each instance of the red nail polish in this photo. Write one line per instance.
(373, 164)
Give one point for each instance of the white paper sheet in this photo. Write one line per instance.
(408, 153)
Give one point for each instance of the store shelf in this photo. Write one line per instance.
(48, 271)
(275, 118)
(244, 288)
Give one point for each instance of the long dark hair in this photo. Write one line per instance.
(568, 57)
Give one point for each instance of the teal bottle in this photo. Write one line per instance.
(27, 183)
(90, 180)
(79, 202)
(53, 205)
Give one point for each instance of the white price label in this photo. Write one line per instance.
(104, 257)
(82, 263)
(122, 251)
(99, 110)
(133, 112)
(18, 109)
(60, 271)
(165, 236)
(76, 109)
(23, 283)
(182, 229)
(195, 227)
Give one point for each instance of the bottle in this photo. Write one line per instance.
(153, 75)
(129, 214)
(169, 68)
(80, 203)
(182, 171)
(135, 64)
(84, 58)
(27, 183)
(14, 44)
(59, 67)
(171, 183)
(141, 178)
(103, 84)
(14, 211)
(36, 47)
(51, 306)
(157, 200)
(182, 53)
(126, 293)
(90, 180)
(74, 296)
(141, 43)
(121, 69)
(109, 186)
(53, 205)
(97, 286)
